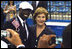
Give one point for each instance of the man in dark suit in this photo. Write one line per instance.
(67, 37)
(42, 4)
(19, 24)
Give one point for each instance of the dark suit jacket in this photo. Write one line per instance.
(21, 31)
(67, 37)
(42, 4)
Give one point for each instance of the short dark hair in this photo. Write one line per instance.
(9, 3)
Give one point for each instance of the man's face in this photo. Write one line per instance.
(24, 13)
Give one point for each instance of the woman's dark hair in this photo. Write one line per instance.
(40, 10)
(9, 3)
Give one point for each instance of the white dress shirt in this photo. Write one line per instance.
(27, 32)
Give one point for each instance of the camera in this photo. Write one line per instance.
(5, 33)
(52, 41)
(58, 40)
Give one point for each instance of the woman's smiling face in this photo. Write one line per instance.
(40, 19)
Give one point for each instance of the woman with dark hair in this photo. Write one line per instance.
(40, 28)
(10, 10)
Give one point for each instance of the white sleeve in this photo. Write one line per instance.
(20, 46)
(4, 44)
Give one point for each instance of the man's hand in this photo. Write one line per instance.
(45, 40)
(15, 39)
(62, 45)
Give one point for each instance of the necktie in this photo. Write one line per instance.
(25, 26)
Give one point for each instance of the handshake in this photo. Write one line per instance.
(42, 43)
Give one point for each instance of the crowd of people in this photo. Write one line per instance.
(24, 36)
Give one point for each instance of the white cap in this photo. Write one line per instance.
(25, 5)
